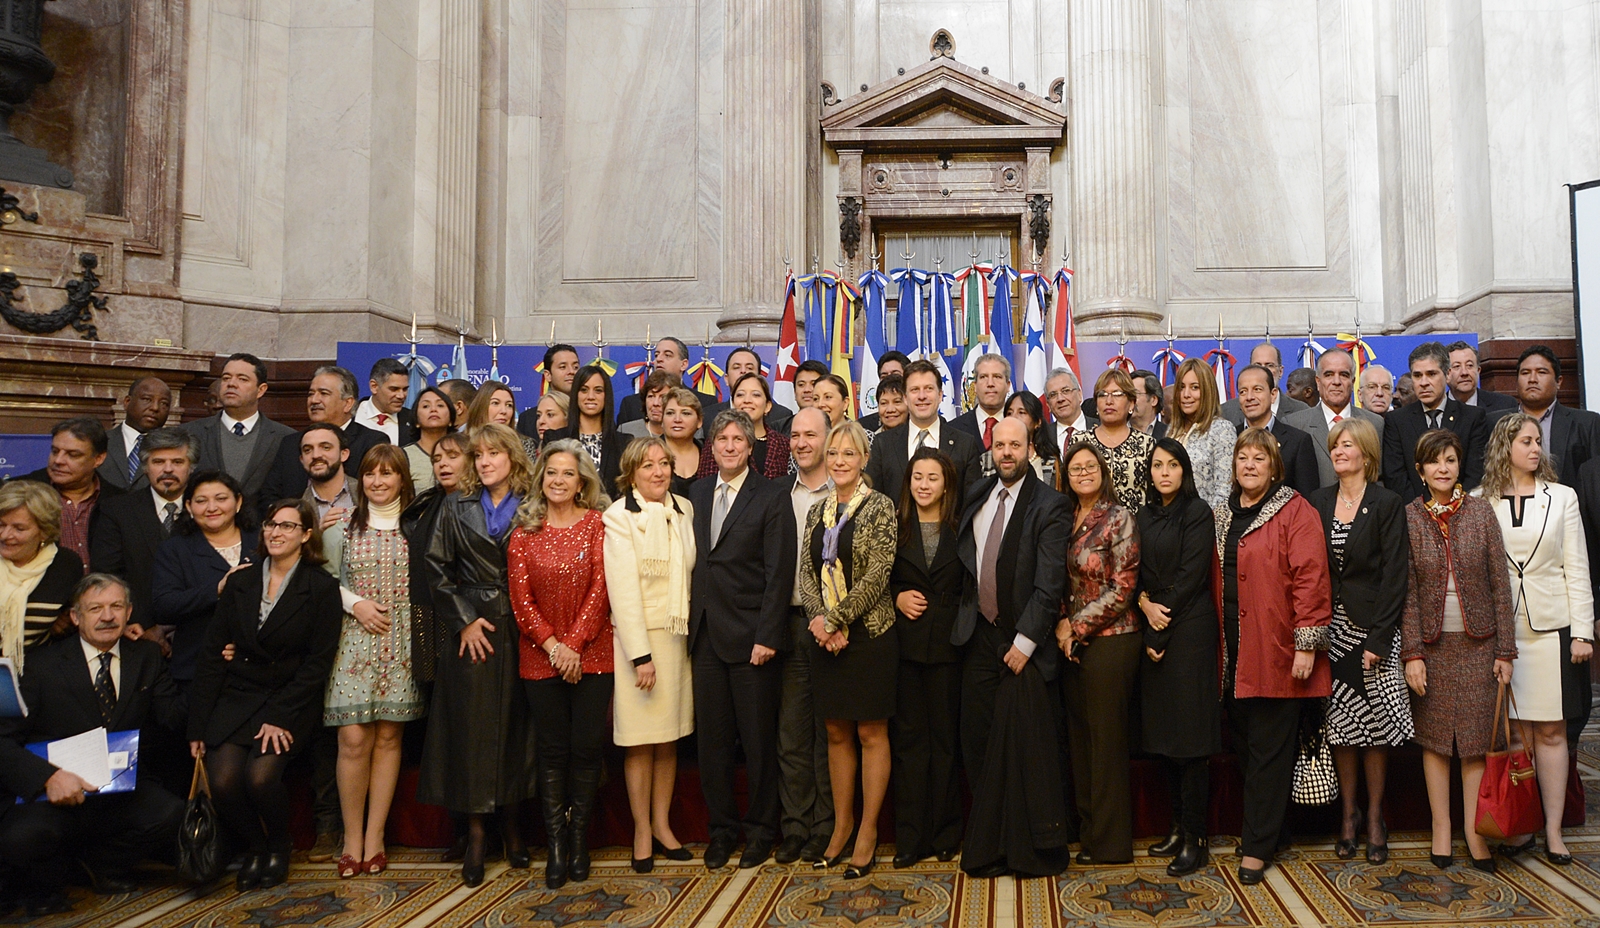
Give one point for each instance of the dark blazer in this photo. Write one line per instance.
(1496, 403)
(886, 466)
(632, 406)
(926, 640)
(778, 418)
(262, 456)
(1405, 425)
(59, 691)
(612, 444)
(124, 543)
(280, 668)
(1299, 461)
(1032, 569)
(288, 480)
(743, 582)
(1049, 436)
(968, 422)
(1287, 404)
(183, 592)
(114, 469)
(1574, 439)
(407, 417)
(1372, 583)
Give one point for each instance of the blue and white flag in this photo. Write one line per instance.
(1001, 332)
(872, 284)
(909, 310)
(1035, 364)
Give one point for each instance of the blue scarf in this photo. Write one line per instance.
(498, 518)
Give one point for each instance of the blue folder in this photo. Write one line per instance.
(123, 780)
(11, 704)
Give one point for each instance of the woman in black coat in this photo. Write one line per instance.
(1179, 689)
(924, 733)
(1369, 547)
(478, 757)
(249, 711)
(212, 537)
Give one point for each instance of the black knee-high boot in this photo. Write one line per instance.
(585, 786)
(553, 795)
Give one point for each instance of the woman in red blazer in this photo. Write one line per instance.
(1276, 607)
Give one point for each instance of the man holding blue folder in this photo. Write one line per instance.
(53, 821)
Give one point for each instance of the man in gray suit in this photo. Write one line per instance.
(1268, 356)
(146, 407)
(240, 440)
(1336, 378)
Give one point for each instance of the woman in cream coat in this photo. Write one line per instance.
(1552, 607)
(649, 552)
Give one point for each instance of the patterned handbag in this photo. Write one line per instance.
(1316, 781)
(1508, 797)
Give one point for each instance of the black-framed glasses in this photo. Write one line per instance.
(282, 527)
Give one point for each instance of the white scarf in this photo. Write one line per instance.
(656, 538)
(17, 583)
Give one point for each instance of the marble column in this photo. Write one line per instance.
(771, 106)
(1111, 147)
(456, 256)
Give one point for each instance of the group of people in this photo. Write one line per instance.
(840, 605)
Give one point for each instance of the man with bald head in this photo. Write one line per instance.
(1013, 543)
(1266, 356)
(146, 407)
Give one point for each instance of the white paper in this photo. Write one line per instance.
(86, 755)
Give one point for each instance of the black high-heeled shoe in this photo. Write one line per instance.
(275, 869)
(472, 865)
(857, 871)
(828, 863)
(671, 853)
(1378, 852)
(644, 864)
(1345, 848)
(1560, 860)
(1512, 850)
(1443, 861)
(1485, 864)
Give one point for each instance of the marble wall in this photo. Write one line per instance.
(349, 163)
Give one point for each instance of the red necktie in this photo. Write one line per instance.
(988, 432)
(382, 418)
(1338, 418)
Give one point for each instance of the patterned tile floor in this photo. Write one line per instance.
(1309, 886)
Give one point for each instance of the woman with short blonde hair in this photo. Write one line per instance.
(37, 575)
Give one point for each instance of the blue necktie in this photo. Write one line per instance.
(238, 429)
(133, 459)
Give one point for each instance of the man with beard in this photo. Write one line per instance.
(146, 407)
(322, 456)
(1013, 542)
(330, 401)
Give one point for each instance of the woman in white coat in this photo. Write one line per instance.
(649, 553)
(1553, 607)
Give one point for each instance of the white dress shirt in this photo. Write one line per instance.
(982, 522)
(802, 498)
(249, 424)
(161, 506)
(367, 414)
(91, 655)
(1079, 425)
(130, 435)
(915, 433)
(1328, 412)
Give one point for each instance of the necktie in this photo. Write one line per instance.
(988, 432)
(988, 598)
(133, 459)
(922, 440)
(383, 418)
(1433, 419)
(719, 513)
(1338, 418)
(238, 429)
(103, 688)
(169, 518)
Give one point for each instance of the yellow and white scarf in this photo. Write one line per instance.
(834, 588)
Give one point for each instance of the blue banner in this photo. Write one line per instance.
(22, 454)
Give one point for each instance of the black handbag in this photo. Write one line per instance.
(200, 852)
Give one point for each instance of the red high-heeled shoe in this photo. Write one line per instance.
(378, 864)
(349, 867)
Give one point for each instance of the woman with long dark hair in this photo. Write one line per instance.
(1180, 695)
(436, 418)
(926, 583)
(592, 422)
(213, 537)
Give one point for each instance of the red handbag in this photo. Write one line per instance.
(1508, 797)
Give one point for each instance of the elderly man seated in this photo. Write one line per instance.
(93, 679)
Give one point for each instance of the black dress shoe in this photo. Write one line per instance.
(1085, 859)
(644, 864)
(948, 854)
(1443, 861)
(755, 853)
(1171, 846)
(857, 871)
(109, 884)
(1512, 850)
(1249, 877)
(671, 853)
(249, 875)
(815, 847)
(990, 872)
(1560, 860)
(1485, 864)
(909, 859)
(51, 903)
(789, 850)
(1196, 853)
(718, 852)
(275, 869)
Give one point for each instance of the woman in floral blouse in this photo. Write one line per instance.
(1099, 635)
(1124, 449)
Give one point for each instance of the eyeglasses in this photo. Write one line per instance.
(1111, 395)
(282, 527)
(1082, 471)
(1062, 393)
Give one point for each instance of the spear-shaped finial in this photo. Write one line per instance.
(1169, 332)
(412, 339)
(908, 254)
(552, 331)
(1122, 335)
(600, 342)
(973, 254)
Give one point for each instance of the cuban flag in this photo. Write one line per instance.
(788, 347)
(873, 285)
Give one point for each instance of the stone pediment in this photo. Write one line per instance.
(943, 104)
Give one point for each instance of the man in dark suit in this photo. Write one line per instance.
(672, 356)
(1148, 399)
(560, 365)
(1013, 542)
(1571, 436)
(744, 574)
(886, 467)
(133, 526)
(742, 361)
(892, 362)
(1435, 408)
(1069, 419)
(991, 384)
(1254, 384)
(384, 409)
(146, 407)
(93, 679)
(1463, 375)
(330, 401)
(1336, 377)
(240, 440)
(1267, 357)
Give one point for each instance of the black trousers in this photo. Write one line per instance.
(1097, 692)
(736, 704)
(804, 790)
(1266, 737)
(325, 809)
(1189, 785)
(924, 740)
(570, 722)
(110, 833)
(981, 672)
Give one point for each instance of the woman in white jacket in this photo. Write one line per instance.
(649, 553)
(1553, 607)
